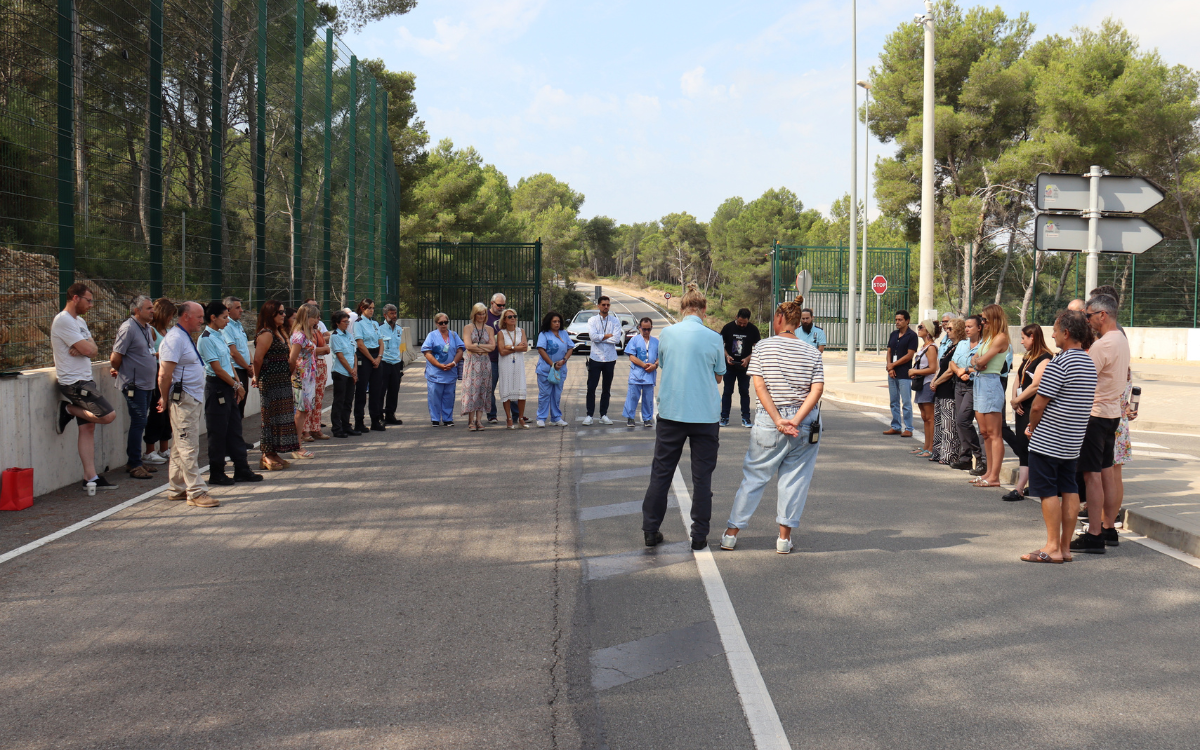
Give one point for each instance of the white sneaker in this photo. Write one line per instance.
(153, 458)
(561, 423)
(728, 541)
(604, 419)
(587, 420)
(783, 546)
(541, 423)
(166, 455)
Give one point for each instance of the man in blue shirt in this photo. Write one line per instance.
(391, 336)
(692, 359)
(643, 364)
(239, 348)
(902, 345)
(345, 375)
(809, 332)
(222, 393)
(370, 371)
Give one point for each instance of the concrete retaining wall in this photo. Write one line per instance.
(29, 410)
(1180, 344)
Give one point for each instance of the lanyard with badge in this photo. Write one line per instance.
(177, 386)
(131, 386)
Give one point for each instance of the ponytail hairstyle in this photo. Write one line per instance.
(790, 312)
(693, 299)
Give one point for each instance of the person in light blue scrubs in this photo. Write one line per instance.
(643, 373)
(443, 350)
(554, 349)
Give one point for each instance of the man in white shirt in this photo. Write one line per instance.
(73, 351)
(181, 383)
(604, 331)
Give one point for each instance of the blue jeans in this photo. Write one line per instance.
(771, 451)
(900, 396)
(441, 401)
(549, 399)
(646, 393)
(139, 411)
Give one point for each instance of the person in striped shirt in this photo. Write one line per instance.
(1058, 421)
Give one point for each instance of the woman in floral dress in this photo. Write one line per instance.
(274, 387)
(302, 361)
(312, 427)
(477, 367)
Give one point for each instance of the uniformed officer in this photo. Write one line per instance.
(809, 332)
(222, 392)
(345, 375)
(366, 334)
(390, 336)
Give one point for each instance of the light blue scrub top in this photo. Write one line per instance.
(815, 337)
(647, 353)
(367, 330)
(690, 354)
(214, 348)
(340, 341)
(443, 351)
(555, 345)
(390, 346)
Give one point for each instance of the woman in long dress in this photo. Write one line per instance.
(274, 387)
(303, 364)
(312, 428)
(513, 345)
(477, 367)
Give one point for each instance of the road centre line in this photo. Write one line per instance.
(757, 705)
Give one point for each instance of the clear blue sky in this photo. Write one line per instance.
(653, 107)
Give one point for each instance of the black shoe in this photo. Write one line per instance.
(448, 424)
(493, 420)
(434, 423)
(1013, 496)
(378, 427)
(1090, 543)
(724, 422)
(247, 476)
(219, 480)
(340, 435)
(961, 465)
(699, 544)
(354, 433)
(101, 484)
(360, 427)
(1121, 517)
(64, 417)
(1111, 538)
(653, 538)
(1083, 512)
(978, 471)
(393, 421)
(629, 421)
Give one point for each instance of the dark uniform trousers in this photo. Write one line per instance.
(224, 425)
(391, 375)
(243, 378)
(704, 439)
(370, 380)
(343, 403)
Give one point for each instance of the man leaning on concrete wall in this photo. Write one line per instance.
(73, 351)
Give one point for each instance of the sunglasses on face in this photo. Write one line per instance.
(1089, 315)
(443, 322)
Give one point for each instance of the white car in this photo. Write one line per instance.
(578, 330)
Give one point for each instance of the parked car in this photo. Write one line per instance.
(581, 340)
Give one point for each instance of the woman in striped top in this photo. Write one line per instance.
(1057, 423)
(788, 378)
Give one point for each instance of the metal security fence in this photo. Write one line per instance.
(189, 149)
(829, 296)
(453, 276)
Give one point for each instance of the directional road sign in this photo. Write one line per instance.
(1114, 234)
(1069, 192)
(879, 284)
(804, 282)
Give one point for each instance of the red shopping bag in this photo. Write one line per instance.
(16, 489)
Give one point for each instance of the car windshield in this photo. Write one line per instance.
(626, 321)
(584, 316)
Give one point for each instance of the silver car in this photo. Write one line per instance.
(578, 330)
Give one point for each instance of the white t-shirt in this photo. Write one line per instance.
(321, 327)
(177, 347)
(66, 331)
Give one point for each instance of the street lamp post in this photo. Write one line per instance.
(925, 289)
(862, 290)
(852, 281)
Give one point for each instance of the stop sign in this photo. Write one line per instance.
(879, 284)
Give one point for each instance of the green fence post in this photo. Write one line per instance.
(1132, 290)
(154, 215)
(327, 219)
(217, 178)
(66, 152)
(350, 182)
(381, 197)
(260, 161)
(297, 161)
(537, 280)
(371, 194)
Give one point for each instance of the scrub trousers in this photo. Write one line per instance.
(549, 398)
(441, 401)
(704, 440)
(644, 391)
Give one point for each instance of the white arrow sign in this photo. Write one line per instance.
(1115, 234)
(1069, 192)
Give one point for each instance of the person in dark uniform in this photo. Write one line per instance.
(223, 391)
(392, 367)
(740, 337)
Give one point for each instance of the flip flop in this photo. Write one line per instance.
(1037, 556)
(987, 485)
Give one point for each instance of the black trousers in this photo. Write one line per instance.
(243, 378)
(343, 402)
(370, 379)
(599, 372)
(703, 438)
(224, 425)
(735, 375)
(391, 375)
(964, 420)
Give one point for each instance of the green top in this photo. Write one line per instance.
(996, 363)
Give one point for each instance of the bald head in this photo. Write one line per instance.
(191, 316)
(1075, 305)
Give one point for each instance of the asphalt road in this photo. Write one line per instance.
(433, 588)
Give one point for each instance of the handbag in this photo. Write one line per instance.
(554, 376)
(16, 489)
(918, 383)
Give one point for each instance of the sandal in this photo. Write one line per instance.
(524, 425)
(302, 454)
(510, 425)
(926, 454)
(307, 438)
(987, 485)
(1038, 556)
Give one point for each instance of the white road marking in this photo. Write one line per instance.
(760, 712)
(1136, 444)
(1158, 546)
(1159, 454)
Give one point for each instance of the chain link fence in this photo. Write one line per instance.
(190, 149)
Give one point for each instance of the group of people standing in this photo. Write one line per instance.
(1071, 410)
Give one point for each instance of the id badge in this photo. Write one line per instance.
(221, 400)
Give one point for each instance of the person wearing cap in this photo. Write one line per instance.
(390, 338)
(223, 391)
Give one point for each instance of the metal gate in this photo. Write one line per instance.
(829, 296)
(453, 276)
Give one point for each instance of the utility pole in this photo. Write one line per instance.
(1093, 217)
(852, 280)
(925, 283)
(862, 289)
